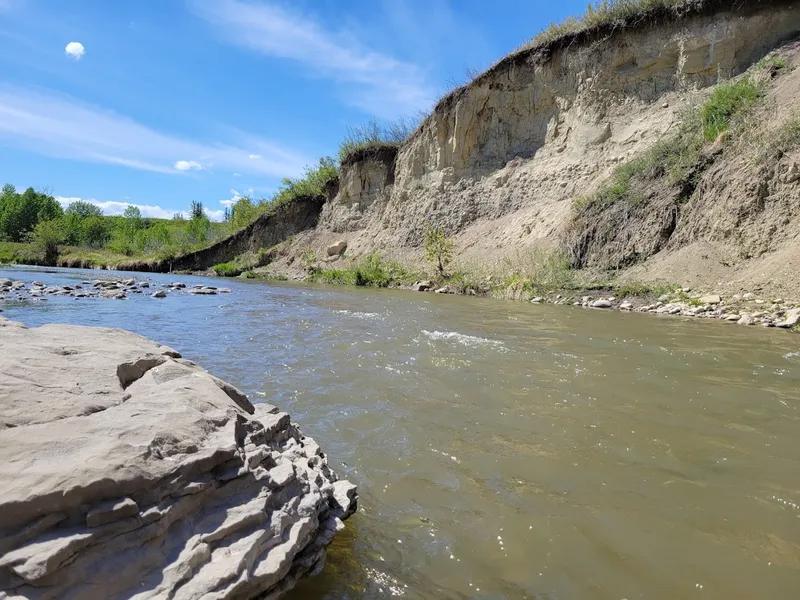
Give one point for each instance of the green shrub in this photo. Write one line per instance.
(727, 102)
(672, 157)
(227, 269)
(46, 238)
(774, 64)
(371, 270)
(640, 289)
(312, 183)
(438, 248)
(535, 271)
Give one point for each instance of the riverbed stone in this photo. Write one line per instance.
(159, 294)
(790, 319)
(710, 299)
(154, 481)
(601, 303)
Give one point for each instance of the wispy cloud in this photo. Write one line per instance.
(64, 127)
(111, 207)
(375, 82)
(188, 165)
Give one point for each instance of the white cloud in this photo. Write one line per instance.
(237, 174)
(118, 208)
(188, 165)
(63, 127)
(254, 156)
(373, 81)
(214, 215)
(148, 210)
(236, 196)
(75, 50)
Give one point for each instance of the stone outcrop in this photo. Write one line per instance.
(129, 472)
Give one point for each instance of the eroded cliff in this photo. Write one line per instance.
(501, 162)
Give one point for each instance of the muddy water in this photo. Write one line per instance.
(505, 450)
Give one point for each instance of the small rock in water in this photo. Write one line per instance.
(537, 300)
(601, 303)
(159, 294)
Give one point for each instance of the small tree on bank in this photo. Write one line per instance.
(46, 237)
(438, 248)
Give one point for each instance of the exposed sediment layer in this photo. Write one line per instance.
(129, 472)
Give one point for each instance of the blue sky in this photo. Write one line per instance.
(160, 102)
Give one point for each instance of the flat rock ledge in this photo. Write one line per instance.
(129, 472)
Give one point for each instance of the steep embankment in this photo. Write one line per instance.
(500, 163)
(514, 161)
(280, 223)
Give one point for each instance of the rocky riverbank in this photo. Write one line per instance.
(113, 288)
(127, 471)
(741, 309)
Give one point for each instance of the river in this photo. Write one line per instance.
(506, 450)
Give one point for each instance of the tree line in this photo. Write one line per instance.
(38, 218)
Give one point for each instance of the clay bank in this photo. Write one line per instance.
(130, 472)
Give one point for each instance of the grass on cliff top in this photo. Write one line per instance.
(375, 135)
(601, 12)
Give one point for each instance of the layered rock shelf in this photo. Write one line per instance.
(127, 471)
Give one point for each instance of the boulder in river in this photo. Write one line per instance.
(127, 471)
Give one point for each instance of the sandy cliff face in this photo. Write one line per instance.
(498, 163)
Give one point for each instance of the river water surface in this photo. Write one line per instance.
(505, 450)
